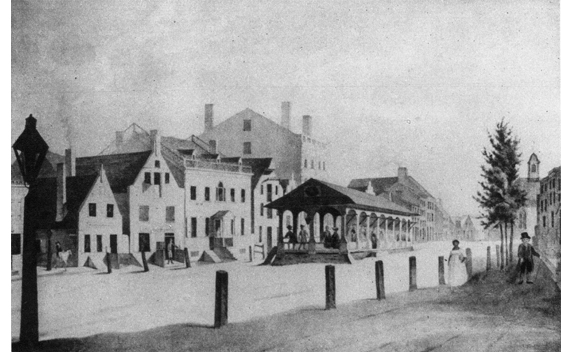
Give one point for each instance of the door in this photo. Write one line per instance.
(113, 243)
(169, 237)
(269, 238)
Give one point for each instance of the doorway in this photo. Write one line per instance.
(113, 243)
(269, 238)
(169, 238)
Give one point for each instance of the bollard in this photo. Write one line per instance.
(144, 262)
(488, 258)
(330, 287)
(469, 266)
(250, 254)
(108, 256)
(187, 259)
(221, 299)
(380, 290)
(412, 273)
(441, 280)
(498, 257)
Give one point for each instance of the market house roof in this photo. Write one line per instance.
(320, 193)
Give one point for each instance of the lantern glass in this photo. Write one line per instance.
(30, 150)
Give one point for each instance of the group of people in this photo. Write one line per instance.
(328, 238)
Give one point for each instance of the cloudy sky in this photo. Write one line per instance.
(412, 83)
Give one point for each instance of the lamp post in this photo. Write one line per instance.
(30, 150)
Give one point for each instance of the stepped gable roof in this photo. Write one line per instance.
(121, 169)
(48, 169)
(259, 167)
(379, 185)
(328, 194)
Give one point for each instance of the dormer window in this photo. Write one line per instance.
(147, 178)
(157, 163)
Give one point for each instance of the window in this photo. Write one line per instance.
(269, 192)
(260, 233)
(261, 189)
(144, 242)
(87, 244)
(262, 209)
(110, 210)
(552, 220)
(157, 163)
(193, 192)
(220, 193)
(243, 196)
(157, 178)
(207, 194)
(16, 243)
(534, 168)
(312, 162)
(243, 227)
(99, 243)
(232, 230)
(170, 214)
(247, 147)
(324, 165)
(544, 221)
(305, 163)
(233, 195)
(167, 177)
(207, 227)
(144, 213)
(93, 209)
(247, 125)
(269, 213)
(193, 227)
(276, 190)
(147, 178)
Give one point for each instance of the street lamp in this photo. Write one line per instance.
(30, 150)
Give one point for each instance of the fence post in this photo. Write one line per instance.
(412, 273)
(441, 280)
(380, 290)
(498, 257)
(488, 258)
(469, 266)
(250, 254)
(144, 261)
(330, 302)
(108, 256)
(187, 259)
(221, 299)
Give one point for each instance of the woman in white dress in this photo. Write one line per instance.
(457, 274)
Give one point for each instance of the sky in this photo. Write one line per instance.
(417, 84)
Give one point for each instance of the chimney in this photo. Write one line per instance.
(401, 174)
(155, 139)
(307, 125)
(60, 190)
(285, 114)
(119, 137)
(209, 117)
(70, 163)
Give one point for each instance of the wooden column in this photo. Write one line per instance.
(312, 239)
(221, 299)
(330, 302)
(280, 241)
(368, 238)
(412, 273)
(488, 258)
(343, 246)
(380, 289)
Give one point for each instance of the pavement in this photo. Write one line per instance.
(489, 313)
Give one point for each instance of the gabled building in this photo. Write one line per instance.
(405, 191)
(252, 135)
(548, 227)
(465, 229)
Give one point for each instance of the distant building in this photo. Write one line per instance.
(465, 228)
(527, 215)
(251, 135)
(404, 190)
(548, 227)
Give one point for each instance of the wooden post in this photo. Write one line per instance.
(488, 258)
(49, 251)
(469, 266)
(250, 254)
(187, 259)
(412, 273)
(108, 256)
(221, 299)
(144, 261)
(498, 257)
(330, 302)
(441, 280)
(380, 290)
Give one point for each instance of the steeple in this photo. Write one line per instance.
(533, 168)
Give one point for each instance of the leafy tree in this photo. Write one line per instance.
(501, 196)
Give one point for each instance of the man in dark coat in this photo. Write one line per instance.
(526, 253)
(326, 238)
(335, 240)
(291, 237)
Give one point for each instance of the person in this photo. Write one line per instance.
(526, 253)
(58, 249)
(353, 234)
(303, 237)
(170, 252)
(374, 239)
(362, 236)
(457, 273)
(292, 240)
(335, 241)
(327, 237)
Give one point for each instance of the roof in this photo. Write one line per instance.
(259, 167)
(328, 194)
(121, 169)
(379, 185)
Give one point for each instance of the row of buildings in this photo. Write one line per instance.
(206, 193)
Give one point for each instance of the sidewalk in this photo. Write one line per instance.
(487, 314)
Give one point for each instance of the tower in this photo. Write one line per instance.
(533, 168)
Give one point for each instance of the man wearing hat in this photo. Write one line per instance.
(291, 237)
(335, 241)
(526, 253)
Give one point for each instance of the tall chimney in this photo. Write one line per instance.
(285, 114)
(60, 190)
(119, 138)
(156, 140)
(209, 117)
(307, 125)
(401, 174)
(70, 163)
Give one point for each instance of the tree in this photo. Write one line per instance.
(501, 196)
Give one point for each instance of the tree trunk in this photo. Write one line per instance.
(502, 247)
(511, 238)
